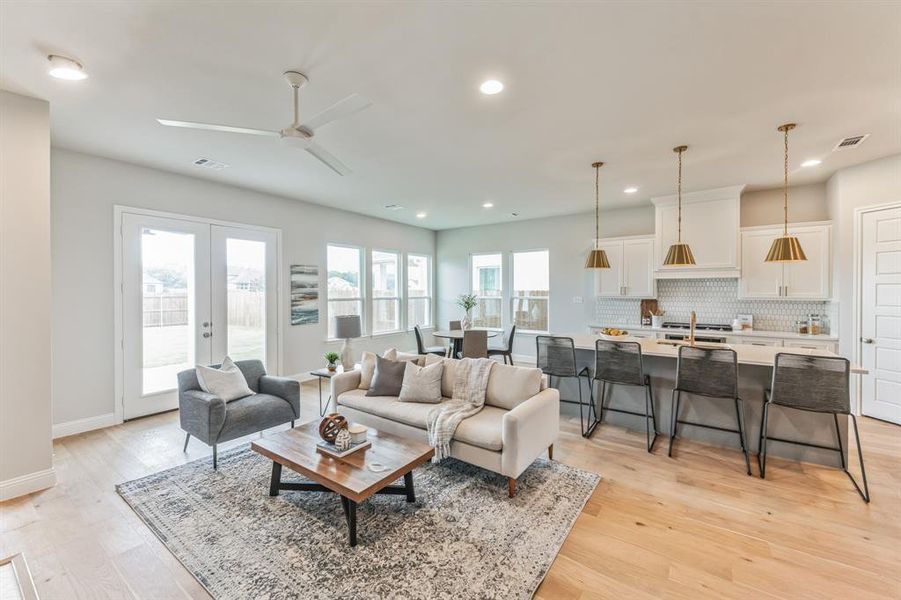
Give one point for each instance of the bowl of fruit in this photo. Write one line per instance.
(612, 333)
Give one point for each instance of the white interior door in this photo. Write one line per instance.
(244, 303)
(881, 314)
(165, 308)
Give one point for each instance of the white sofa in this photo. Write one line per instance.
(520, 420)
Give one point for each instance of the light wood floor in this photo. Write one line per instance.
(689, 527)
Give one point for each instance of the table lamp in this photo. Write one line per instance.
(347, 327)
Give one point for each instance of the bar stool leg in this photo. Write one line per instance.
(649, 414)
(739, 405)
(761, 451)
(865, 492)
(676, 401)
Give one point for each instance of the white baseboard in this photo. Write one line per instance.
(82, 425)
(524, 360)
(25, 484)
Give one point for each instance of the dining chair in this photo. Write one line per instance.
(475, 343)
(455, 325)
(506, 350)
(814, 384)
(421, 348)
(619, 363)
(556, 357)
(711, 372)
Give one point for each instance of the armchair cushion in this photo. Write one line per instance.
(285, 388)
(254, 413)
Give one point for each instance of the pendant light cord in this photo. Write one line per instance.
(597, 193)
(785, 186)
(679, 187)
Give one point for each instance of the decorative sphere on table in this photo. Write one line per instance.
(330, 426)
(342, 440)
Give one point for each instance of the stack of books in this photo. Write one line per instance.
(330, 449)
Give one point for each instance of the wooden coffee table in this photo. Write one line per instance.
(349, 477)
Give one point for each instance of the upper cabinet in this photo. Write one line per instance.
(710, 226)
(631, 272)
(805, 280)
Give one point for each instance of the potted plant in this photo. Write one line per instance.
(467, 302)
(332, 358)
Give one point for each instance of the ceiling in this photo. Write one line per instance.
(617, 82)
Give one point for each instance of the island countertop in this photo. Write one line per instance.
(747, 354)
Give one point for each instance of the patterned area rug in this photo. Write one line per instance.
(462, 538)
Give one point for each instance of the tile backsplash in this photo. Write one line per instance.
(714, 301)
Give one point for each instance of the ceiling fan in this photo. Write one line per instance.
(297, 134)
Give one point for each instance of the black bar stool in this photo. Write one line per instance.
(814, 384)
(556, 357)
(711, 372)
(619, 363)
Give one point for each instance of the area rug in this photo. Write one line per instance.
(462, 538)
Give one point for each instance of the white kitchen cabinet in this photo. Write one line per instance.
(754, 341)
(710, 226)
(810, 344)
(631, 272)
(806, 280)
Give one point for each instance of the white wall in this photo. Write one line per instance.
(84, 190)
(870, 184)
(765, 207)
(568, 238)
(26, 456)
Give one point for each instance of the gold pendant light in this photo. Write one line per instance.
(597, 258)
(786, 248)
(679, 254)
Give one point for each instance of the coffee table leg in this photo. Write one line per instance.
(350, 512)
(408, 483)
(276, 478)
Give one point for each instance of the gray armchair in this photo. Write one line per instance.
(211, 420)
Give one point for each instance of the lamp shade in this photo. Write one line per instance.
(786, 249)
(597, 259)
(679, 254)
(347, 326)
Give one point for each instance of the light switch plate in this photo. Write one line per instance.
(577, 299)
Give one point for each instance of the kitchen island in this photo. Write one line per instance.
(755, 371)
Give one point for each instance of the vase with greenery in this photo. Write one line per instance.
(332, 358)
(467, 302)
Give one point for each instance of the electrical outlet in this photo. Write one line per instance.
(577, 299)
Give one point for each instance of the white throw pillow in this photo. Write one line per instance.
(367, 366)
(226, 382)
(422, 384)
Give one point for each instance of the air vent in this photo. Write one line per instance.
(210, 164)
(851, 142)
(394, 207)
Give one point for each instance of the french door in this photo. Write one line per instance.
(193, 293)
(880, 323)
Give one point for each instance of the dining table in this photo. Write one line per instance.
(456, 336)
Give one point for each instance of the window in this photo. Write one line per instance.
(345, 291)
(531, 285)
(419, 291)
(385, 294)
(488, 287)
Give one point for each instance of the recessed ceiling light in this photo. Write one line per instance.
(421, 215)
(394, 207)
(514, 214)
(630, 190)
(488, 205)
(491, 87)
(812, 162)
(65, 68)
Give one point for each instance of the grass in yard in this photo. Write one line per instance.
(169, 345)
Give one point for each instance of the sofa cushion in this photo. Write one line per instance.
(483, 430)
(388, 377)
(509, 386)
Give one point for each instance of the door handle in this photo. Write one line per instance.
(866, 340)
(207, 334)
(206, 324)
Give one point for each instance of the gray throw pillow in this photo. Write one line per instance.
(388, 377)
(422, 384)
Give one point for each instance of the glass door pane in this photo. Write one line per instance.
(167, 268)
(246, 291)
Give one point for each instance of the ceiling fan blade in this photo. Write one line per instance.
(343, 108)
(329, 159)
(214, 127)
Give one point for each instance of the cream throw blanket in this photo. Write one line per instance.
(470, 383)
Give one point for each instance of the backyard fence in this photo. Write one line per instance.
(245, 308)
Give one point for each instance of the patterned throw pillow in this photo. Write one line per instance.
(388, 377)
(422, 384)
(226, 382)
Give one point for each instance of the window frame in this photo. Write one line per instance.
(512, 296)
(398, 297)
(364, 321)
(501, 281)
(430, 290)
